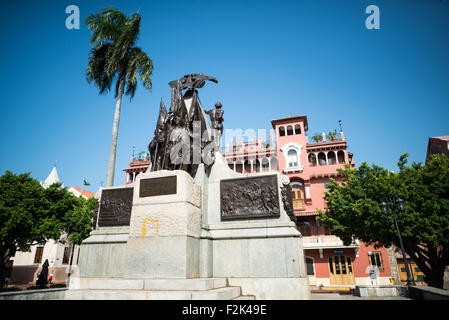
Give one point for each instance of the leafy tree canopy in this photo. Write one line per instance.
(30, 214)
(353, 210)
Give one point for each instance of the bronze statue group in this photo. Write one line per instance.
(181, 139)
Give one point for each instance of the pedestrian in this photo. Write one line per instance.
(373, 276)
(50, 278)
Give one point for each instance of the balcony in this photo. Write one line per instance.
(323, 242)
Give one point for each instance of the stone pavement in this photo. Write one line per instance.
(336, 296)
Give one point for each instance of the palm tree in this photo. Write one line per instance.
(114, 57)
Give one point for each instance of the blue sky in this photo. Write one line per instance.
(390, 87)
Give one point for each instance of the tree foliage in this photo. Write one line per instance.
(30, 214)
(353, 210)
(114, 54)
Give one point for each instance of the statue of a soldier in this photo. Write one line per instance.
(157, 144)
(216, 119)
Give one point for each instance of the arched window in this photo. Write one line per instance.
(258, 165)
(247, 166)
(322, 159)
(312, 159)
(281, 131)
(265, 164)
(289, 130)
(292, 158)
(297, 129)
(331, 158)
(341, 156)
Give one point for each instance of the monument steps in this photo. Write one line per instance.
(245, 298)
(154, 289)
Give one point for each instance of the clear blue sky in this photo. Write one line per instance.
(390, 87)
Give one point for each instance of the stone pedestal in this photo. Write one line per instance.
(164, 229)
(265, 257)
(174, 232)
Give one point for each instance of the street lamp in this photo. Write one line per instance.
(393, 203)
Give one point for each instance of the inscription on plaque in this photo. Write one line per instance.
(115, 207)
(254, 197)
(157, 186)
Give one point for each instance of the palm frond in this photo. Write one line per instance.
(106, 25)
(114, 56)
(96, 68)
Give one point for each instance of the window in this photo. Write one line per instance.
(331, 158)
(349, 264)
(309, 266)
(312, 159)
(298, 196)
(297, 129)
(304, 228)
(322, 159)
(331, 266)
(327, 231)
(281, 131)
(66, 257)
(376, 260)
(292, 158)
(38, 255)
(341, 156)
(289, 130)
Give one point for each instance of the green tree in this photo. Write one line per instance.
(114, 57)
(30, 214)
(353, 210)
(332, 135)
(77, 224)
(317, 137)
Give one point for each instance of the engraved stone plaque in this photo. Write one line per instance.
(157, 186)
(248, 198)
(115, 207)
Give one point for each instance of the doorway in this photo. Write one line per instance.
(341, 271)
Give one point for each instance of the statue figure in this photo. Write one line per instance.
(287, 200)
(178, 147)
(216, 119)
(157, 144)
(173, 145)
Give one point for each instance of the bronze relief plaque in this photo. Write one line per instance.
(248, 198)
(115, 207)
(157, 186)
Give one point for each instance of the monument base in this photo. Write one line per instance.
(273, 288)
(162, 257)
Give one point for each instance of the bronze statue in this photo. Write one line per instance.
(287, 200)
(216, 118)
(176, 144)
(157, 144)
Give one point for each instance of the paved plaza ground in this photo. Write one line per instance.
(336, 296)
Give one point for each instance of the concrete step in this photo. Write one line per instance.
(154, 284)
(185, 284)
(245, 298)
(225, 293)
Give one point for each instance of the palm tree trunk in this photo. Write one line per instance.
(112, 152)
